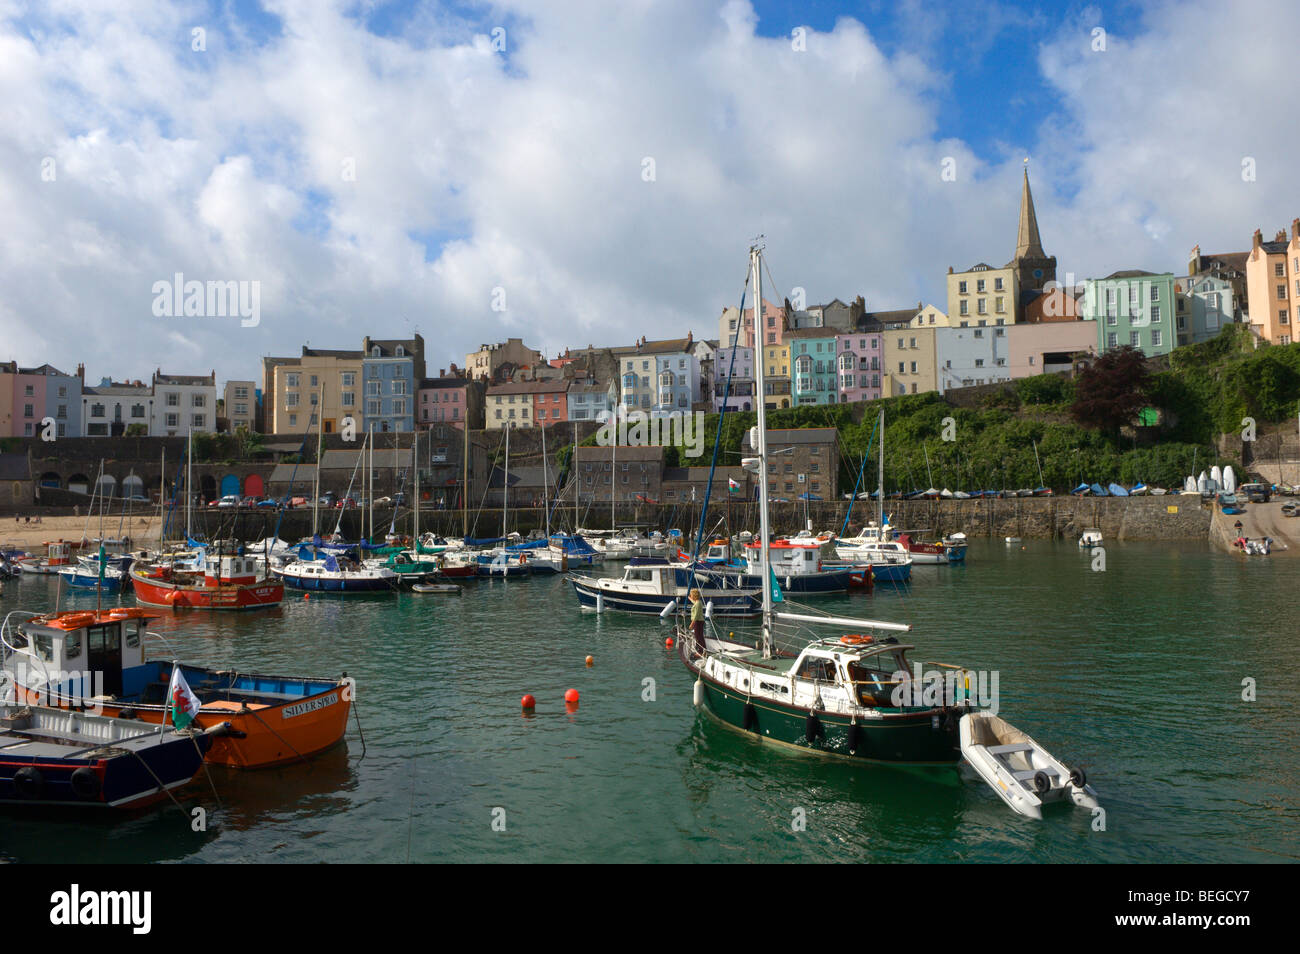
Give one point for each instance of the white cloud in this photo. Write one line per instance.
(228, 164)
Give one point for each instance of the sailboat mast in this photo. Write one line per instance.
(505, 485)
(1038, 463)
(189, 484)
(880, 486)
(315, 498)
(464, 483)
(162, 493)
(545, 485)
(756, 262)
(613, 466)
(929, 477)
(573, 465)
(415, 463)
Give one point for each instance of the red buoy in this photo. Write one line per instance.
(669, 642)
(590, 660)
(306, 596)
(571, 695)
(528, 702)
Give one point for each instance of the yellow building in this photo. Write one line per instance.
(1273, 286)
(981, 296)
(294, 386)
(909, 360)
(930, 317)
(776, 373)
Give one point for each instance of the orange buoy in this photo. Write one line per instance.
(590, 660)
(306, 596)
(571, 695)
(669, 642)
(528, 702)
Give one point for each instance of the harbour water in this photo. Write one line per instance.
(1135, 672)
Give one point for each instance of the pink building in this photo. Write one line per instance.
(442, 400)
(22, 405)
(859, 365)
(1047, 346)
(550, 402)
(774, 326)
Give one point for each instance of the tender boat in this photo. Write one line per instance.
(435, 588)
(1090, 538)
(1018, 769)
(96, 660)
(68, 758)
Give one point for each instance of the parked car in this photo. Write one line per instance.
(1255, 493)
(327, 499)
(1290, 508)
(228, 501)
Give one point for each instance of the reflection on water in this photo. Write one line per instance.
(1134, 673)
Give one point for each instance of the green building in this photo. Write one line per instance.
(1132, 308)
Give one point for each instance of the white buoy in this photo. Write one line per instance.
(699, 692)
(667, 610)
(600, 602)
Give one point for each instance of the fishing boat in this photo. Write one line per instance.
(62, 757)
(58, 555)
(1022, 773)
(848, 696)
(97, 660)
(943, 552)
(654, 587)
(223, 582)
(80, 577)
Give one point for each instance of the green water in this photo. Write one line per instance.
(1135, 673)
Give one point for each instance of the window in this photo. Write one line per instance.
(979, 333)
(1155, 292)
(1278, 269)
(315, 381)
(1135, 339)
(348, 379)
(196, 420)
(902, 368)
(291, 400)
(997, 285)
(348, 399)
(137, 410)
(1112, 340)
(375, 408)
(979, 362)
(173, 420)
(1281, 292)
(914, 367)
(963, 309)
(979, 286)
(1155, 338)
(196, 400)
(29, 410)
(1000, 306)
(961, 288)
(291, 380)
(173, 399)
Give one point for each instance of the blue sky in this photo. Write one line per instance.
(523, 168)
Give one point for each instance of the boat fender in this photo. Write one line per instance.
(698, 693)
(751, 717)
(29, 783)
(812, 727)
(85, 783)
(1078, 778)
(855, 738)
(1042, 784)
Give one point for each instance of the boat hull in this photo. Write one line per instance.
(908, 738)
(741, 604)
(234, 597)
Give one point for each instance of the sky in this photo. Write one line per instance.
(579, 173)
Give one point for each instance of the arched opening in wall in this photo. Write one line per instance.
(79, 484)
(253, 485)
(106, 486)
(51, 479)
(208, 488)
(133, 488)
(229, 485)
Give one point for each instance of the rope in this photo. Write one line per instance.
(204, 762)
(357, 716)
(253, 712)
(161, 786)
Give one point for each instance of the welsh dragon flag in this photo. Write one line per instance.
(733, 486)
(185, 705)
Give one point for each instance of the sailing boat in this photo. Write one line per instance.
(889, 559)
(852, 696)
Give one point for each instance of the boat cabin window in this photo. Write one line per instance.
(103, 638)
(809, 556)
(44, 646)
(639, 575)
(72, 645)
(816, 668)
(131, 632)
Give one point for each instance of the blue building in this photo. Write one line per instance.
(391, 371)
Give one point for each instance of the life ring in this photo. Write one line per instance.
(523, 558)
(855, 639)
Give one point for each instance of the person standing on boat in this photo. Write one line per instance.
(697, 619)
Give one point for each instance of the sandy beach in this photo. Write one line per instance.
(33, 536)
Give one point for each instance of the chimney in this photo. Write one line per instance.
(1295, 228)
(949, 269)
(1281, 236)
(81, 373)
(690, 336)
(1257, 240)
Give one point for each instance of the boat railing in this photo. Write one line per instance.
(163, 639)
(11, 650)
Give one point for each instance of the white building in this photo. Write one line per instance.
(183, 403)
(970, 356)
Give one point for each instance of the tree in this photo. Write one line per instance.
(1110, 391)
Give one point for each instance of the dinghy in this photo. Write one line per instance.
(1018, 769)
(1099, 491)
(1216, 475)
(1081, 491)
(1090, 538)
(435, 588)
(1138, 489)
(1117, 491)
(1229, 480)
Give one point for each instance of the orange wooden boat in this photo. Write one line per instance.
(95, 660)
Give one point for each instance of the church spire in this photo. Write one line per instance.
(1028, 244)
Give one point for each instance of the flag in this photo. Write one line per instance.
(777, 595)
(185, 705)
(733, 486)
(103, 559)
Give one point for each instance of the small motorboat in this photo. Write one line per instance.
(1018, 769)
(1013, 539)
(1090, 538)
(1158, 491)
(1290, 508)
(1139, 489)
(1082, 490)
(435, 588)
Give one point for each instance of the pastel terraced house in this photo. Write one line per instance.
(1273, 285)
(1132, 307)
(859, 362)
